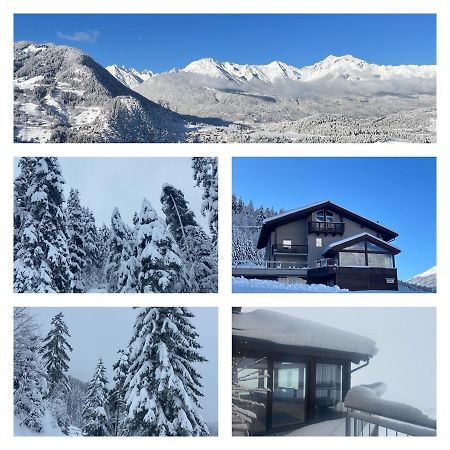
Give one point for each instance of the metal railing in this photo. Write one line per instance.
(269, 265)
(359, 423)
(327, 262)
(283, 248)
(369, 415)
(326, 227)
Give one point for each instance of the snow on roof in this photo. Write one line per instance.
(271, 222)
(293, 211)
(285, 329)
(357, 236)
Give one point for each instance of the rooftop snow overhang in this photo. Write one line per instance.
(270, 331)
(289, 216)
(337, 246)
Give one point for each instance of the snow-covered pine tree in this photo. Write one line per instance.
(117, 394)
(92, 273)
(41, 252)
(204, 259)
(205, 176)
(75, 228)
(103, 238)
(196, 247)
(247, 223)
(94, 412)
(159, 267)
(55, 350)
(115, 247)
(177, 212)
(162, 386)
(21, 186)
(126, 281)
(30, 376)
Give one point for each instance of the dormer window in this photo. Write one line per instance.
(325, 216)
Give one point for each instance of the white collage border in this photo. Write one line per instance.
(224, 300)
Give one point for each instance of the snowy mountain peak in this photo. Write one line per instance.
(241, 73)
(426, 279)
(345, 59)
(208, 67)
(130, 77)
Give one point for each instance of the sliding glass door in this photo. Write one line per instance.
(289, 392)
(328, 390)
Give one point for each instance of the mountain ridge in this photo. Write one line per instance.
(63, 95)
(345, 67)
(426, 279)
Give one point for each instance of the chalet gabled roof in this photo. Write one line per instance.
(289, 216)
(343, 243)
(284, 330)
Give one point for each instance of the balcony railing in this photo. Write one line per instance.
(369, 415)
(291, 249)
(326, 262)
(248, 264)
(326, 227)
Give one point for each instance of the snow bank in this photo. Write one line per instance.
(327, 428)
(284, 329)
(244, 285)
(49, 427)
(366, 398)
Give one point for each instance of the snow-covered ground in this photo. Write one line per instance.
(50, 427)
(244, 285)
(328, 428)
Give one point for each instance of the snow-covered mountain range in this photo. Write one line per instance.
(62, 95)
(332, 67)
(426, 279)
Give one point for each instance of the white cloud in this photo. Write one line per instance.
(80, 36)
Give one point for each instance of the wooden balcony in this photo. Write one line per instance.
(284, 249)
(326, 227)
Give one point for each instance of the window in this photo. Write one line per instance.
(328, 389)
(380, 260)
(289, 392)
(253, 373)
(366, 253)
(318, 242)
(375, 248)
(287, 243)
(357, 246)
(324, 216)
(352, 259)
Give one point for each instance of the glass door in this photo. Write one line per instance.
(328, 390)
(288, 397)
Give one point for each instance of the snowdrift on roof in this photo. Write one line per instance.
(284, 329)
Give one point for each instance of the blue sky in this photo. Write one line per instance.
(161, 42)
(400, 193)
